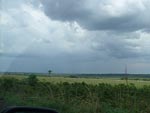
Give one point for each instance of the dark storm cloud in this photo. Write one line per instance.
(119, 20)
(68, 10)
(125, 23)
(120, 49)
(100, 15)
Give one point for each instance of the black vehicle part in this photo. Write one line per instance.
(23, 109)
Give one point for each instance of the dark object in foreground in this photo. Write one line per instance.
(27, 110)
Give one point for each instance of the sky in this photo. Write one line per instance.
(75, 36)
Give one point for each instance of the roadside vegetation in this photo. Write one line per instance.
(74, 97)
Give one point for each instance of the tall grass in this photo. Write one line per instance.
(75, 97)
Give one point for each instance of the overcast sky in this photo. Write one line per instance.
(75, 36)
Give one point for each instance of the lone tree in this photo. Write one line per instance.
(49, 72)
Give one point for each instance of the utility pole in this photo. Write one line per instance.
(126, 74)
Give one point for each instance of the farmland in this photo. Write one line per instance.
(138, 82)
(69, 94)
(94, 81)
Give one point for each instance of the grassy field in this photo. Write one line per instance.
(94, 81)
(75, 96)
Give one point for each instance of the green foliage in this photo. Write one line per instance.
(32, 80)
(49, 72)
(75, 97)
(8, 83)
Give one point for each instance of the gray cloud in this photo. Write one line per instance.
(101, 15)
(119, 45)
(59, 9)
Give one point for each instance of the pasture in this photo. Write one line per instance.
(88, 80)
(71, 95)
(95, 81)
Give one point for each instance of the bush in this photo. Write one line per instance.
(32, 80)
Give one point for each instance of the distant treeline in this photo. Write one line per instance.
(121, 75)
(22, 73)
(115, 75)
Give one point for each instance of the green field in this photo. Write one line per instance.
(89, 80)
(94, 81)
(76, 95)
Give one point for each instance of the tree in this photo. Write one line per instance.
(32, 80)
(49, 72)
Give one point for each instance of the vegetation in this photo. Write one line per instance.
(49, 72)
(138, 82)
(73, 97)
